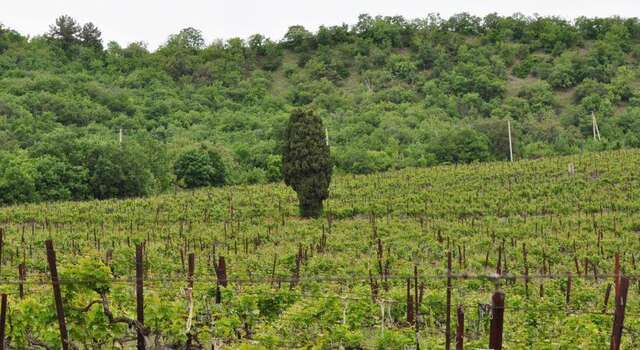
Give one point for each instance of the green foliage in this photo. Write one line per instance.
(471, 78)
(395, 340)
(200, 167)
(363, 161)
(17, 179)
(58, 180)
(69, 33)
(298, 39)
(539, 97)
(274, 167)
(90, 36)
(402, 68)
(118, 170)
(66, 29)
(461, 146)
(562, 75)
(306, 162)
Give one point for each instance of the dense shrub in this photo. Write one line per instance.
(200, 167)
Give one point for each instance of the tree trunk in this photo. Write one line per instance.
(310, 207)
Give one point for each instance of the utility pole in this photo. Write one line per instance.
(120, 136)
(594, 125)
(510, 142)
(326, 135)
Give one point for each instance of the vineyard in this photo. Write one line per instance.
(236, 268)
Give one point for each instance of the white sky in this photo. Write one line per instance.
(152, 21)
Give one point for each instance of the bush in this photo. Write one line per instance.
(539, 96)
(118, 170)
(200, 167)
(274, 168)
(360, 161)
(463, 145)
(562, 75)
(58, 180)
(17, 179)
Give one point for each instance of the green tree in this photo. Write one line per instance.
(118, 170)
(462, 145)
(200, 167)
(307, 164)
(298, 39)
(90, 36)
(66, 30)
(57, 180)
(562, 75)
(17, 176)
(274, 167)
(179, 53)
(188, 38)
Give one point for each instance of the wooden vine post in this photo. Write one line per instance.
(497, 319)
(409, 303)
(447, 332)
(416, 291)
(3, 320)
(526, 270)
(221, 277)
(606, 299)
(460, 329)
(1, 245)
(140, 295)
(416, 304)
(189, 293)
(618, 316)
(617, 274)
(22, 274)
(57, 295)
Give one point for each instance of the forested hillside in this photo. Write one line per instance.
(393, 93)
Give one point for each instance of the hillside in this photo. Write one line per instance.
(393, 93)
(322, 283)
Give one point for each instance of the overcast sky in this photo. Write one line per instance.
(152, 21)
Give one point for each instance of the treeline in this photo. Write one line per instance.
(392, 92)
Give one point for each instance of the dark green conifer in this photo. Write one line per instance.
(306, 161)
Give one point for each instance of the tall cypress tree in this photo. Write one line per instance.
(306, 161)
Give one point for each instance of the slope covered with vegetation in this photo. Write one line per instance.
(292, 283)
(393, 92)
